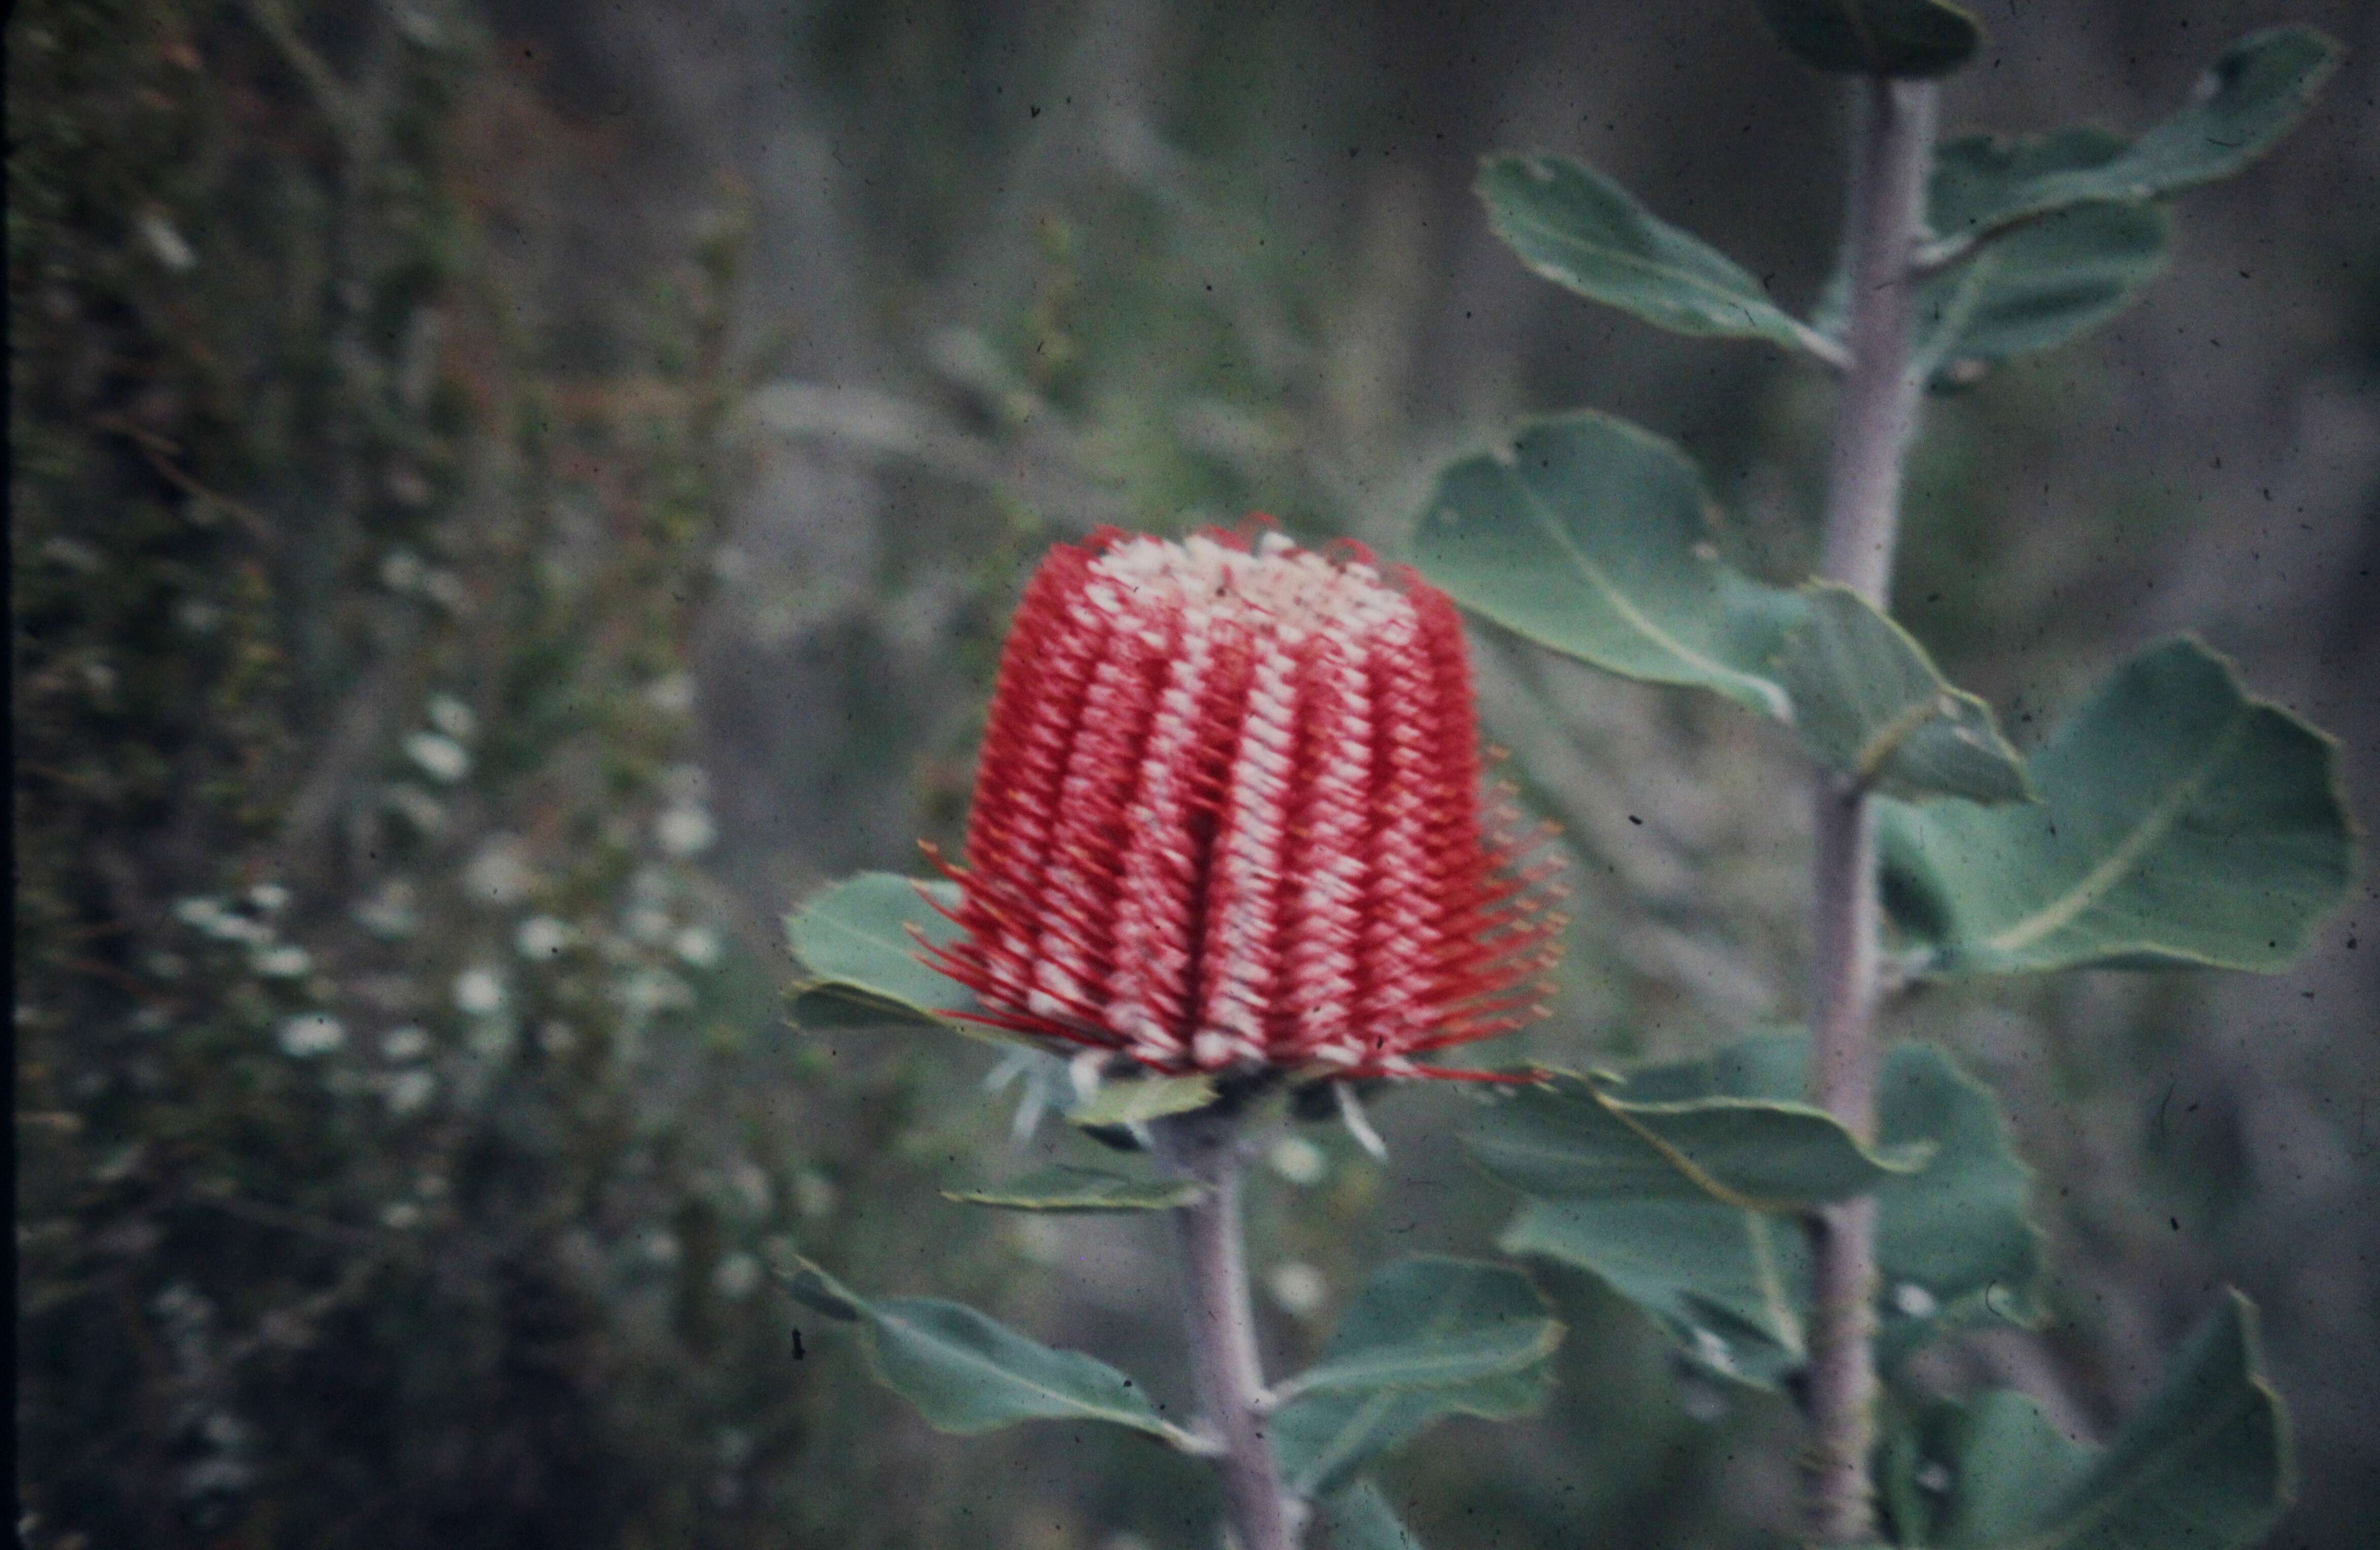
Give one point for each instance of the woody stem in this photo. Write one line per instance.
(1874, 421)
(1204, 1148)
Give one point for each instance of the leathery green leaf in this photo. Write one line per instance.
(1592, 538)
(1360, 1518)
(1586, 233)
(1732, 1284)
(967, 1373)
(1062, 1186)
(1323, 1437)
(2205, 1462)
(1323, 1441)
(1567, 1137)
(2250, 98)
(1136, 1100)
(854, 940)
(2180, 821)
(1432, 1323)
(1876, 37)
(1869, 703)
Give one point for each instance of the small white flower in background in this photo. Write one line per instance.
(648, 924)
(673, 695)
(1298, 1288)
(401, 570)
(445, 589)
(479, 991)
(815, 1195)
(736, 1276)
(209, 915)
(310, 1034)
(685, 829)
(542, 937)
(1914, 1300)
(499, 875)
(283, 962)
(408, 1092)
(452, 716)
(409, 1043)
(441, 758)
(556, 1037)
(389, 913)
(1298, 1160)
(417, 807)
(269, 898)
(200, 913)
(1933, 1476)
(654, 990)
(750, 1182)
(660, 1246)
(401, 1216)
(169, 245)
(197, 616)
(698, 945)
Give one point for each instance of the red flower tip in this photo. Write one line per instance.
(1229, 816)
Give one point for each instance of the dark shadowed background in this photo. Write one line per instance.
(509, 497)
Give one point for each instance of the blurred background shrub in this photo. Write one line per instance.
(507, 497)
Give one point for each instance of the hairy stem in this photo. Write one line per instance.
(1874, 422)
(1230, 1375)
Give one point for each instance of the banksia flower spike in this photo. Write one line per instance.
(1228, 817)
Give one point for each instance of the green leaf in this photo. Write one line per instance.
(1567, 1137)
(1869, 703)
(1136, 1100)
(2252, 96)
(2180, 823)
(854, 939)
(1876, 37)
(1592, 538)
(1732, 1284)
(1432, 1323)
(2203, 1463)
(2036, 287)
(1579, 229)
(1360, 1518)
(1729, 1284)
(1323, 1441)
(968, 1374)
(1062, 1186)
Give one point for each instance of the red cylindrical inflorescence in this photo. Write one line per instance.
(1229, 816)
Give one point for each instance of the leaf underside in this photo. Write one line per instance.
(2180, 821)
(1326, 1435)
(1732, 1284)
(967, 1373)
(1876, 37)
(2203, 1463)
